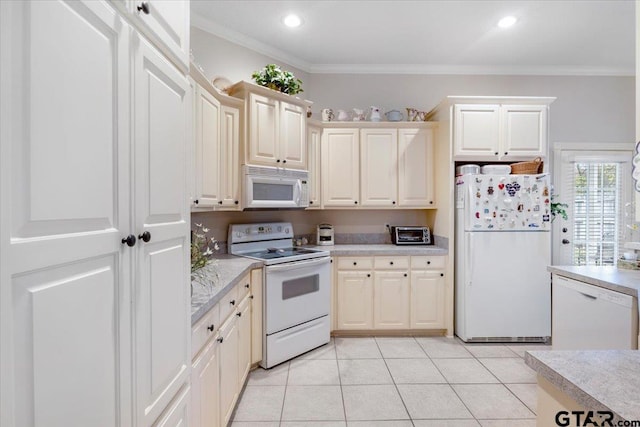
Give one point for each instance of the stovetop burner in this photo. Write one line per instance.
(272, 253)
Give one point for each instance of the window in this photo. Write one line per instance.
(596, 185)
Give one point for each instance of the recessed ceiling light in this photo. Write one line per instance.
(292, 21)
(507, 21)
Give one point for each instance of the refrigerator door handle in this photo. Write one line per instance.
(469, 261)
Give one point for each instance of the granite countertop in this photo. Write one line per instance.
(230, 270)
(613, 278)
(383, 249)
(605, 380)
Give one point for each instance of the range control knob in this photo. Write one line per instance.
(286, 230)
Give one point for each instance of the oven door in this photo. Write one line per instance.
(272, 192)
(295, 293)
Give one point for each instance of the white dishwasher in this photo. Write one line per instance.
(587, 317)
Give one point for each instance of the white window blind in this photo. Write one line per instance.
(596, 187)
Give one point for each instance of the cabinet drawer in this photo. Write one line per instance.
(355, 263)
(228, 303)
(244, 285)
(204, 329)
(391, 263)
(428, 262)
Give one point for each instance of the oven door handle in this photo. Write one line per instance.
(297, 265)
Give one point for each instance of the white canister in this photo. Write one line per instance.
(467, 169)
(496, 170)
(325, 235)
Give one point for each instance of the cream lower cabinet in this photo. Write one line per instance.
(205, 387)
(244, 340)
(229, 366)
(256, 316)
(389, 292)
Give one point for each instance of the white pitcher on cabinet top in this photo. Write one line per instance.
(374, 114)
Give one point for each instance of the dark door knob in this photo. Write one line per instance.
(506, 152)
(239, 314)
(405, 274)
(220, 202)
(310, 202)
(130, 240)
(496, 153)
(284, 161)
(232, 302)
(246, 286)
(356, 202)
(394, 202)
(220, 340)
(441, 274)
(565, 241)
(428, 262)
(144, 7)
(368, 275)
(145, 237)
(196, 201)
(211, 327)
(355, 263)
(278, 161)
(236, 202)
(391, 262)
(564, 230)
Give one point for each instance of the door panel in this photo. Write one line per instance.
(207, 149)
(379, 167)
(340, 167)
(525, 130)
(415, 167)
(263, 132)
(229, 157)
(162, 303)
(391, 300)
(293, 137)
(476, 130)
(355, 300)
(427, 299)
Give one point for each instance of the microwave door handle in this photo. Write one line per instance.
(299, 191)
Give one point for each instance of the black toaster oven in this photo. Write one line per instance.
(410, 235)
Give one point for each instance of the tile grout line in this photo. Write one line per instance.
(344, 407)
(393, 380)
(286, 384)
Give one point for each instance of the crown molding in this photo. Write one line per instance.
(420, 69)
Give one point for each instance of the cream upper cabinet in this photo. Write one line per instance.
(207, 149)
(340, 163)
(166, 23)
(476, 130)
(355, 300)
(524, 130)
(229, 158)
(428, 292)
(293, 137)
(391, 300)
(415, 168)
(313, 141)
(162, 303)
(378, 167)
(500, 128)
(264, 132)
(275, 125)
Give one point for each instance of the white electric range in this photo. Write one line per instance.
(296, 289)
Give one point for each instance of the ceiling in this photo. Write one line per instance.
(552, 37)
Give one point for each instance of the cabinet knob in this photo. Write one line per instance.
(441, 274)
(250, 296)
(355, 263)
(368, 275)
(220, 202)
(211, 327)
(428, 262)
(565, 229)
(430, 202)
(232, 302)
(144, 7)
(496, 153)
(247, 286)
(239, 314)
(391, 262)
(405, 274)
(356, 202)
(145, 237)
(284, 161)
(394, 202)
(278, 161)
(565, 241)
(506, 152)
(236, 202)
(196, 201)
(310, 202)
(220, 340)
(130, 240)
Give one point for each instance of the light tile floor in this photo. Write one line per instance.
(394, 382)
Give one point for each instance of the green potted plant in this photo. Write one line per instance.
(275, 78)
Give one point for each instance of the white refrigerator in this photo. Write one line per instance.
(503, 249)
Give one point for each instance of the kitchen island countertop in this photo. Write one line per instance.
(613, 278)
(598, 380)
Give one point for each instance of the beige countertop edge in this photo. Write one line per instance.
(612, 278)
(232, 268)
(598, 380)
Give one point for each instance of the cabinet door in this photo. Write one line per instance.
(228, 368)
(177, 415)
(355, 300)
(391, 300)
(313, 139)
(205, 388)
(162, 302)
(65, 293)
(379, 167)
(168, 24)
(476, 131)
(427, 299)
(256, 315)
(264, 132)
(415, 168)
(207, 149)
(229, 158)
(340, 167)
(244, 340)
(524, 131)
(293, 136)
(192, 155)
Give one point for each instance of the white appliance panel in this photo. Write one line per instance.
(503, 286)
(587, 317)
(294, 341)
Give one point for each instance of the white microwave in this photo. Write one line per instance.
(268, 187)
